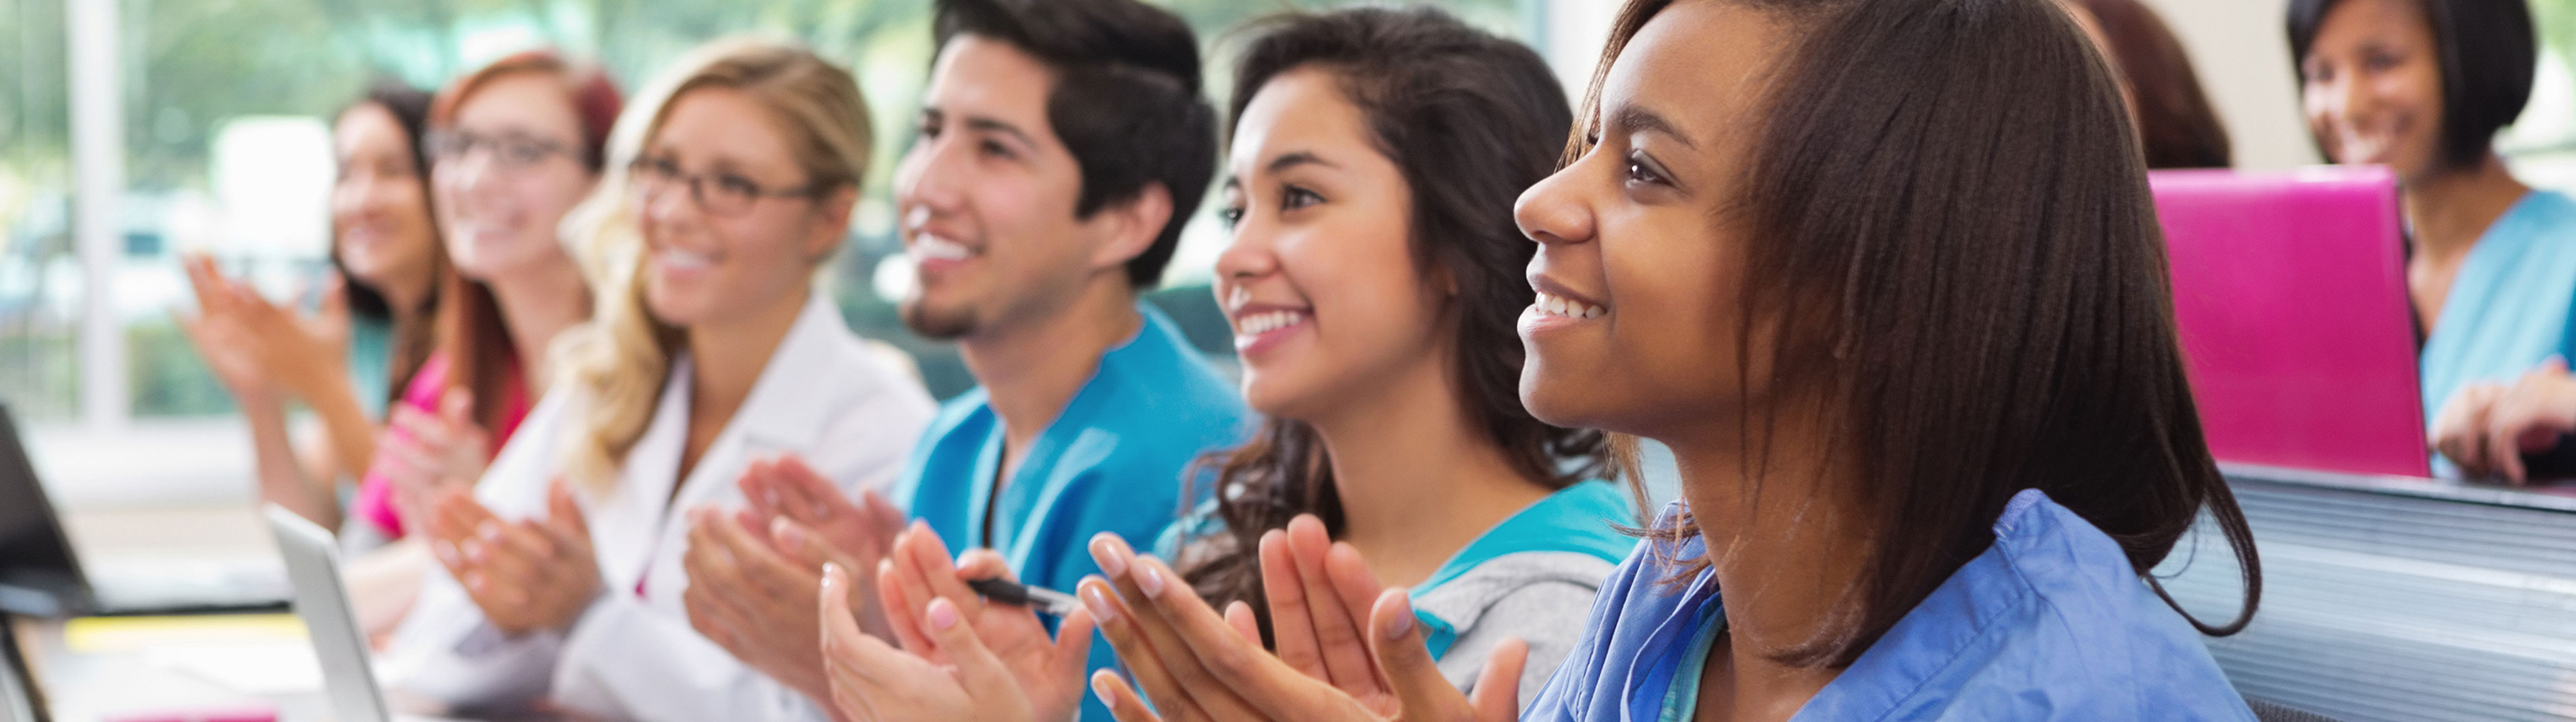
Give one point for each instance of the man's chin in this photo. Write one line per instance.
(938, 324)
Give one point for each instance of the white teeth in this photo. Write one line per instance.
(1261, 323)
(1554, 305)
(927, 247)
(682, 260)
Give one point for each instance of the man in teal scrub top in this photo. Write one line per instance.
(1062, 146)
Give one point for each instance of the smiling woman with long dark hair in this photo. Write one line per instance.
(1887, 278)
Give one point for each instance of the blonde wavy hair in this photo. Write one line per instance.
(620, 360)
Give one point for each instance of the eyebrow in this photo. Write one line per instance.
(1633, 119)
(1293, 159)
(994, 125)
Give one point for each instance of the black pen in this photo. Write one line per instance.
(1040, 599)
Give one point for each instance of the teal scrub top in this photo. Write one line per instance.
(2508, 310)
(1112, 461)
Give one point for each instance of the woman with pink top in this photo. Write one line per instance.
(514, 146)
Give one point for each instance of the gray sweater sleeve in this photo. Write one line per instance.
(1542, 598)
(1549, 616)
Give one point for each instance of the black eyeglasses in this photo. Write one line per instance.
(513, 150)
(721, 193)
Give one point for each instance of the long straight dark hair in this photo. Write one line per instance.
(1951, 207)
(413, 341)
(1470, 120)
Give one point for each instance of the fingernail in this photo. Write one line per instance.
(446, 551)
(1099, 604)
(943, 614)
(1402, 623)
(1149, 580)
(787, 532)
(488, 530)
(1100, 686)
(1104, 550)
(830, 569)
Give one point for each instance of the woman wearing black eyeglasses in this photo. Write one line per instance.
(569, 568)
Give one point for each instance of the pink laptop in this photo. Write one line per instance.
(2290, 293)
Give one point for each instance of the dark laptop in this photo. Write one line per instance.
(41, 577)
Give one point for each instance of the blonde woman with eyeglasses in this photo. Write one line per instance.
(563, 571)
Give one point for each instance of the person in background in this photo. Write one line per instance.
(561, 573)
(1060, 148)
(515, 145)
(2175, 119)
(1374, 281)
(372, 330)
(1905, 496)
(2422, 86)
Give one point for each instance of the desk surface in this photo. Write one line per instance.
(145, 675)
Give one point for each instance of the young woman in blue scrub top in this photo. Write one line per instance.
(2422, 86)
(1887, 278)
(1373, 282)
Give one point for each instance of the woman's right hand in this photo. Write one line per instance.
(425, 454)
(232, 351)
(1196, 665)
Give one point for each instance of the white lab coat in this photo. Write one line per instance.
(824, 395)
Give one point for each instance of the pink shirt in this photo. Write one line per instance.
(375, 502)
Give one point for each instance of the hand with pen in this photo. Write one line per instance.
(753, 573)
(962, 656)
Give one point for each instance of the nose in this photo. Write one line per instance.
(1552, 211)
(1249, 256)
(671, 201)
(928, 178)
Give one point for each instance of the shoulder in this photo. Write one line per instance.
(865, 373)
(2104, 641)
(1159, 375)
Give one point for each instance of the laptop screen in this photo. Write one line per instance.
(34, 555)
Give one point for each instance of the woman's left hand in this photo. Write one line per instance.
(1197, 665)
(2530, 417)
(307, 354)
(526, 575)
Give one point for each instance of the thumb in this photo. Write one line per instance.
(1073, 644)
(456, 405)
(2556, 365)
(881, 513)
(977, 669)
(1498, 687)
(1396, 638)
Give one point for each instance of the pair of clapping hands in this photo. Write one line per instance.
(1347, 648)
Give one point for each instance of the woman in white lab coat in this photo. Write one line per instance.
(562, 573)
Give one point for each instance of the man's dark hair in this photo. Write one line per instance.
(1127, 101)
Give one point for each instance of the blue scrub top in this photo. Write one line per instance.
(2049, 623)
(1112, 461)
(2508, 310)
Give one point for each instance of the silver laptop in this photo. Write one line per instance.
(313, 564)
(41, 577)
